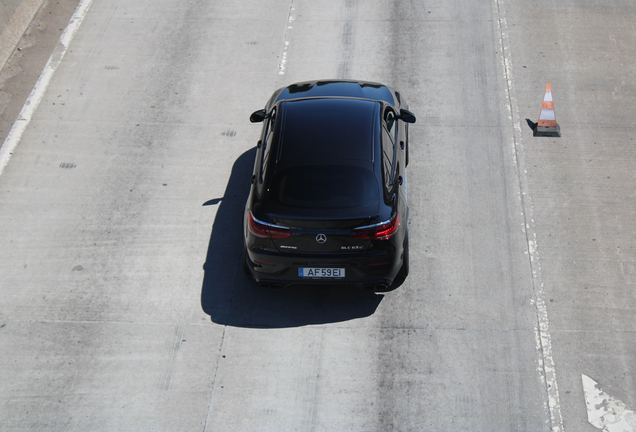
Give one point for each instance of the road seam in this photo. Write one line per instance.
(34, 99)
(239, 269)
(547, 368)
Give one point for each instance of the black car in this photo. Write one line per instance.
(328, 202)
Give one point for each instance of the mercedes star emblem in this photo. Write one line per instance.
(321, 238)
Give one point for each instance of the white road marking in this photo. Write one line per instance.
(546, 365)
(605, 412)
(34, 99)
(283, 56)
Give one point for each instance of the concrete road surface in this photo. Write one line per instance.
(124, 306)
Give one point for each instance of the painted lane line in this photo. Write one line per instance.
(34, 99)
(546, 366)
(283, 56)
(605, 412)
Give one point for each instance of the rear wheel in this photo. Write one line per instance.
(246, 267)
(404, 271)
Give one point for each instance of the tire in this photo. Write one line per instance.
(404, 271)
(406, 161)
(246, 267)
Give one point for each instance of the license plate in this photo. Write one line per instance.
(320, 272)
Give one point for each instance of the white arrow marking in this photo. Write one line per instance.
(605, 412)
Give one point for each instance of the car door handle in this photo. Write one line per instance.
(402, 145)
(400, 180)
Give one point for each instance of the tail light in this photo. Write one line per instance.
(380, 231)
(264, 230)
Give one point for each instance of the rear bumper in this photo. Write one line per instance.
(370, 270)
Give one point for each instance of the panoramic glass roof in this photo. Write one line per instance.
(326, 131)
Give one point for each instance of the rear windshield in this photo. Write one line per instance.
(324, 187)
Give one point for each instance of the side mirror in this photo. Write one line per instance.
(405, 115)
(257, 116)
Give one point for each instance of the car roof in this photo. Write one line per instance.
(327, 131)
(336, 88)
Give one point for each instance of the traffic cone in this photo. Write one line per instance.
(547, 125)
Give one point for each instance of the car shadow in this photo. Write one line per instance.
(230, 297)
